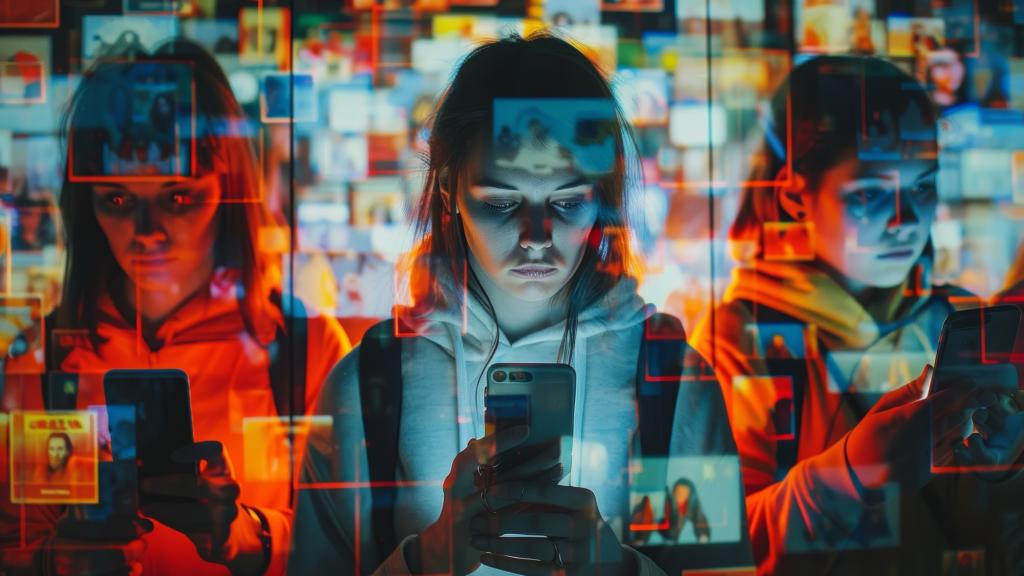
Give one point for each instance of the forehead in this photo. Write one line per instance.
(546, 174)
(152, 188)
(905, 171)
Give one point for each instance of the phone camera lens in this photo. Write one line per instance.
(499, 376)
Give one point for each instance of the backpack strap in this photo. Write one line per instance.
(59, 389)
(660, 367)
(380, 394)
(287, 353)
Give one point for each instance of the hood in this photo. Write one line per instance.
(212, 313)
(620, 308)
(807, 293)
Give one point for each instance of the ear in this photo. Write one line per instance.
(792, 196)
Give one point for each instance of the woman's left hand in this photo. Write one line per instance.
(578, 540)
(209, 512)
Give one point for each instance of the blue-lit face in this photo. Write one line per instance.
(526, 231)
(886, 210)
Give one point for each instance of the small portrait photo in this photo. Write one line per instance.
(263, 35)
(143, 125)
(684, 500)
(24, 69)
(54, 457)
(34, 226)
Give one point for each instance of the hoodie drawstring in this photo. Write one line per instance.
(579, 362)
(469, 418)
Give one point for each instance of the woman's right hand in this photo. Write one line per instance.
(894, 440)
(444, 546)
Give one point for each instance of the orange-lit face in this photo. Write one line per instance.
(526, 230)
(873, 219)
(162, 234)
(57, 453)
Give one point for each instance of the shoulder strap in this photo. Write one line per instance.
(660, 367)
(288, 376)
(380, 394)
(59, 389)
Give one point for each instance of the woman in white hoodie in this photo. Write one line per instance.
(522, 257)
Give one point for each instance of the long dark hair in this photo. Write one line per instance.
(827, 109)
(223, 145)
(539, 66)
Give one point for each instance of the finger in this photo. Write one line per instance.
(551, 524)
(518, 566)
(173, 485)
(909, 392)
(540, 549)
(546, 459)
(567, 497)
(485, 450)
(210, 453)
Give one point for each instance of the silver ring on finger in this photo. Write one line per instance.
(557, 560)
(483, 499)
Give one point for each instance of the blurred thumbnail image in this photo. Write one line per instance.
(685, 500)
(963, 562)
(21, 334)
(134, 120)
(54, 457)
(545, 135)
(121, 36)
(279, 93)
(24, 69)
(274, 446)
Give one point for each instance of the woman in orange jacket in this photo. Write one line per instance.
(164, 270)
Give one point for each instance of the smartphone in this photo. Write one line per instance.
(972, 338)
(163, 421)
(981, 336)
(541, 396)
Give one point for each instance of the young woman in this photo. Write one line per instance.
(831, 308)
(168, 273)
(526, 200)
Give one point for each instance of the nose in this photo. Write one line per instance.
(149, 234)
(535, 229)
(905, 220)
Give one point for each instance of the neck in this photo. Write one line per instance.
(517, 317)
(156, 305)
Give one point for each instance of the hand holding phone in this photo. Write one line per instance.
(984, 348)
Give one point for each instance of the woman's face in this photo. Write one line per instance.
(526, 229)
(887, 209)
(162, 234)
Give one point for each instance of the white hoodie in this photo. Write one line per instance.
(442, 409)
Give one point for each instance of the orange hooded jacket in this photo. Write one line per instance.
(232, 402)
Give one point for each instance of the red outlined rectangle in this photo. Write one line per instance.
(19, 14)
(178, 176)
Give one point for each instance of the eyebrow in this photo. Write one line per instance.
(487, 182)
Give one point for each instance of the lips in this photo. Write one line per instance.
(534, 271)
(897, 254)
(151, 261)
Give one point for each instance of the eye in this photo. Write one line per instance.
(925, 192)
(181, 198)
(116, 199)
(866, 195)
(500, 205)
(568, 205)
